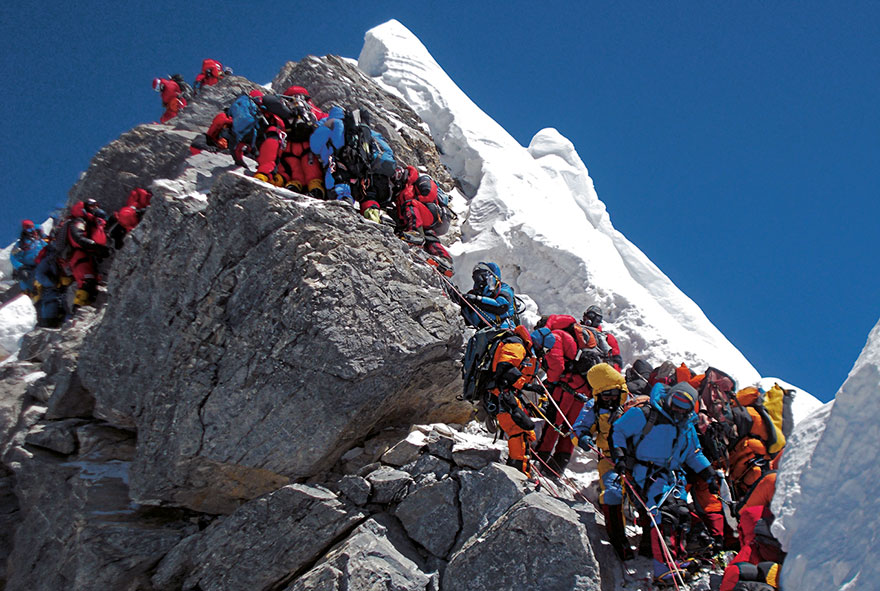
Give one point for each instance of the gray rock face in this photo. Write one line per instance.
(367, 561)
(200, 111)
(538, 544)
(262, 544)
(78, 528)
(135, 159)
(57, 436)
(486, 495)
(331, 80)
(431, 516)
(388, 485)
(255, 338)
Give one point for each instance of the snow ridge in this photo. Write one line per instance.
(535, 211)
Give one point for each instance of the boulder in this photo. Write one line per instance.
(431, 516)
(369, 560)
(355, 489)
(262, 545)
(475, 457)
(388, 485)
(57, 436)
(406, 450)
(428, 464)
(538, 544)
(486, 495)
(237, 343)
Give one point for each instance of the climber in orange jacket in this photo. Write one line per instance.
(513, 365)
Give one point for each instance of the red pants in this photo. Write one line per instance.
(301, 168)
(270, 150)
(570, 408)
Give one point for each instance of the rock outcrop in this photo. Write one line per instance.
(237, 414)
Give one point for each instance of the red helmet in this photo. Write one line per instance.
(296, 90)
(256, 93)
(27, 225)
(157, 84)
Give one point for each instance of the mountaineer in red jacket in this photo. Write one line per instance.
(568, 389)
(88, 245)
(169, 91)
(300, 167)
(212, 72)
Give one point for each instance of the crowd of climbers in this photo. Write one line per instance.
(337, 155)
(692, 455)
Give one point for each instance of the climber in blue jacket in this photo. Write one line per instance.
(493, 298)
(325, 141)
(654, 443)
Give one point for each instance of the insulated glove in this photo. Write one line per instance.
(533, 388)
(711, 479)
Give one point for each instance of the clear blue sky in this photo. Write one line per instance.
(737, 144)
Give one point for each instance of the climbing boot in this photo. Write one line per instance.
(261, 176)
(616, 530)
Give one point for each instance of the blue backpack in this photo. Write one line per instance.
(245, 114)
(383, 157)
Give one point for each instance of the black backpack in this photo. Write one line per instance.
(302, 121)
(356, 154)
(476, 366)
(186, 91)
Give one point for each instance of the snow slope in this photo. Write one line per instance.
(535, 212)
(827, 502)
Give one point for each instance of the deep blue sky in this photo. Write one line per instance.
(737, 144)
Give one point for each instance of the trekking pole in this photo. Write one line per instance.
(670, 562)
(469, 305)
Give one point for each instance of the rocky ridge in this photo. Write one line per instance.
(237, 414)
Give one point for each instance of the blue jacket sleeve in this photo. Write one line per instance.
(585, 420)
(631, 423)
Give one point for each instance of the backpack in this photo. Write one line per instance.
(637, 377)
(601, 342)
(589, 353)
(272, 103)
(302, 121)
(356, 153)
(476, 366)
(382, 156)
(770, 429)
(245, 116)
(664, 374)
(186, 91)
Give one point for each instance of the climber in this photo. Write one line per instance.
(88, 243)
(607, 341)
(212, 72)
(568, 389)
(300, 168)
(325, 142)
(128, 216)
(654, 443)
(270, 137)
(51, 283)
(760, 553)
(592, 429)
(514, 363)
(172, 100)
(490, 300)
(417, 207)
(24, 254)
